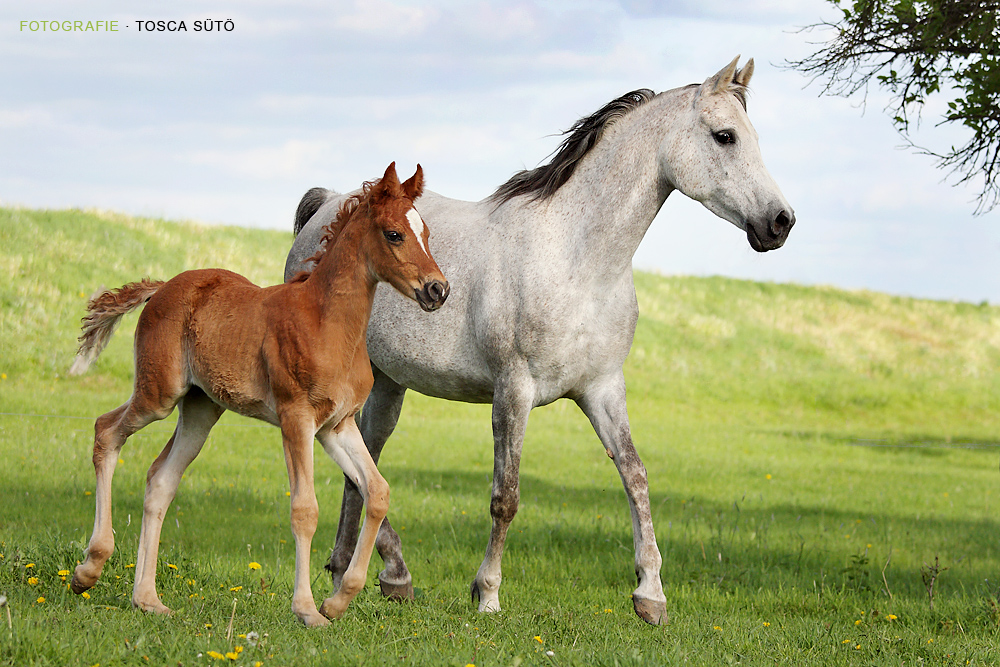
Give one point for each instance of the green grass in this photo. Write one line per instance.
(800, 442)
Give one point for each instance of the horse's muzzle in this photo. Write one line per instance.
(432, 295)
(774, 232)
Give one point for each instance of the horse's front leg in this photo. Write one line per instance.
(512, 402)
(604, 405)
(345, 445)
(297, 433)
(377, 421)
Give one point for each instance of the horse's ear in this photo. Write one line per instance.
(743, 76)
(388, 185)
(414, 185)
(721, 82)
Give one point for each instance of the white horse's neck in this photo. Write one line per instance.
(606, 207)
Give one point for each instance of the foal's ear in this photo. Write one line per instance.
(414, 185)
(721, 82)
(388, 186)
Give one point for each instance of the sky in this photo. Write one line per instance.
(232, 127)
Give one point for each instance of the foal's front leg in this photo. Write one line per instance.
(345, 445)
(297, 437)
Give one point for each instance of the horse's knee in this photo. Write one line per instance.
(378, 498)
(503, 506)
(305, 516)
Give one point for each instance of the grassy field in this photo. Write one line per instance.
(812, 453)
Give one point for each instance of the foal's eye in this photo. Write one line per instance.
(393, 237)
(724, 137)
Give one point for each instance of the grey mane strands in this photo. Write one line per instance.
(542, 182)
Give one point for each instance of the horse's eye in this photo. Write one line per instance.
(393, 237)
(724, 137)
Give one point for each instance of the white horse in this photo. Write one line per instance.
(542, 301)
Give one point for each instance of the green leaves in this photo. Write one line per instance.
(916, 49)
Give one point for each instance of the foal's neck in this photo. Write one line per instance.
(342, 274)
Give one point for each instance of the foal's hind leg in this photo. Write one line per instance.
(378, 419)
(346, 446)
(110, 432)
(197, 415)
(604, 405)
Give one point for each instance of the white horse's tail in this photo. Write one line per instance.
(103, 313)
(310, 203)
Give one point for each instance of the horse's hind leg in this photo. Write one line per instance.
(378, 419)
(347, 448)
(604, 405)
(196, 417)
(110, 432)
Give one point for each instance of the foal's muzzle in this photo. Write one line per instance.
(773, 232)
(432, 295)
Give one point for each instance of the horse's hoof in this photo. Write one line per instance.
(155, 607)
(314, 620)
(653, 612)
(330, 609)
(487, 605)
(398, 592)
(81, 583)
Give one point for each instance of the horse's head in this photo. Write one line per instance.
(716, 160)
(397, 241)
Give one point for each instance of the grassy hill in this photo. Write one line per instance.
(810, 450)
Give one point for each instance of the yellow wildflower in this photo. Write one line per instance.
(238, 649)
(766, 624)
(254, 565)
(170, 565)
(40, 600)
(62, 573)
(32, 580)
(216, 655)
(85, 595)
(538, 638)
(892, 617)
(232, 656)
(235, 589)
(29, 566)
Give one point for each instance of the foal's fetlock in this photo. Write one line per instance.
(337, 566)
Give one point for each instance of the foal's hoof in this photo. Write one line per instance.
(81, 582)
(653, 612)
(396, 591)
(152, 607)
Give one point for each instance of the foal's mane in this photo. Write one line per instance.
(336, 226)
(542, 182)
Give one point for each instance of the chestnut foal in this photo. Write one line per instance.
(293, 355)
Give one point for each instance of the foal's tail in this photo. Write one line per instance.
(103, 313)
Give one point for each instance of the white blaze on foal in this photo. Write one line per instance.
(417, 225)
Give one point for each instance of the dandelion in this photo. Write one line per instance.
(857, 622)
(858, 647)
(892, 617)
(88, 493)
(607, 611)
(254, 565)
(846, 641)
(170, 565)
(232, 655)
(29, 566)
(216, 655)
(32, 581)
(62, 573)
(235, 589)
(538, 638)
(85, 595)
(252, 639)
(717, 627)
(768, 476)
(3, 376)
(238, 649)
(40, 600)
(766, 624)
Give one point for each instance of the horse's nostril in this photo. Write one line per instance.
(782, 223)
(435, 290)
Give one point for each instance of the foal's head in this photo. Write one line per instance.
(395, 241)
